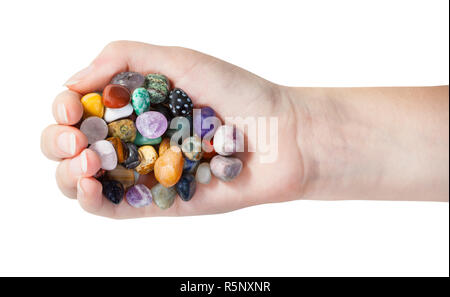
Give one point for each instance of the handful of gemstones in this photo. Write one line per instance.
(139, 126)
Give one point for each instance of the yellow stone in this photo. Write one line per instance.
(93, 105)
(148, 156)
(164, 146)
(169, 167)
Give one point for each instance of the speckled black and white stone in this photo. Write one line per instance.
(179, 103)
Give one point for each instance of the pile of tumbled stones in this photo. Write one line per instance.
(131, 126)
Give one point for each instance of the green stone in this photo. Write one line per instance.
(140, 99)
(158, 87)
(163, 197)
(141, 140)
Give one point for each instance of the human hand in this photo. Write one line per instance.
(229, 90)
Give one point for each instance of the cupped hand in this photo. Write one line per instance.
(228, 89)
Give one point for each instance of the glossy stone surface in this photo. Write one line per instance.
(190, 166)
(106, 152)
(169, 167)
(133, 159)
(148, 156)
(141, 140)
(164, 146)
(139, 196)
(140, 99)
(192, 148)
(163, 197)
(120, 147)
(158, 87)
(94, 128)
(208, 149)
(162, 109)
(179, 103)
(186, 187)
(203, 174)
(113, 191)
(225, 168)
(116, 96)
(130, 80)
(228, 140)
(92, 105)
(205, 122)
(112, 114)
(100, 174)
(151, 124)
(123, 175)
(124, 129)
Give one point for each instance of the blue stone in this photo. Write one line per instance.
(190, 166)
(186, 186)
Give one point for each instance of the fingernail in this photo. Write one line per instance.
(83, 161)
(80, 189)
(76, 78)
(79, 164)
(67, 142)
(62, 113)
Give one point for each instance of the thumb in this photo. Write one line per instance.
(119, 56)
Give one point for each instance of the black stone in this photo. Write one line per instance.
(164, 110)
(113, 191)
(133, 159)
(179, 103)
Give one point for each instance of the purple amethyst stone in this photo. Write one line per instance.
(201, 126)
(130, 80)
(139, 196)
(151, 124)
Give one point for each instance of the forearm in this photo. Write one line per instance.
(374, 143)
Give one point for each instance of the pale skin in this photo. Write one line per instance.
(334, 143)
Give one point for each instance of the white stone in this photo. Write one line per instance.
(112, 114)
(106, 152)
(224, 142)
(203, 174)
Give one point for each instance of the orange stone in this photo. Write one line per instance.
(120, 147)
(169, 167)
(164, 146)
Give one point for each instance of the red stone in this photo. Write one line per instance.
(116, 96)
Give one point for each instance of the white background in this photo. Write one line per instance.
(308, 43)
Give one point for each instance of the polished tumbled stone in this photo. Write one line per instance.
(151, 124)
(179, 103)
(141, 140)
(158, 87)
(123, 175)
(94, 128)
(225, 168)
(169, 167)
(140, 99)
(124, 129)
(190, 166)
(148, 157)
(116, 96)
(92, 105)
(163, 197)
(130, 80)
(112, 114)
(139, 196)
(186, 187)
(205, 122)
(106, 152)
(120, 147)
(228, 140)
(133, 159)
(113, 191)
(203, 174)
(192, 148)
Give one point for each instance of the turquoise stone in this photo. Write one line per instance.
(140, 99)
(141, 140)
